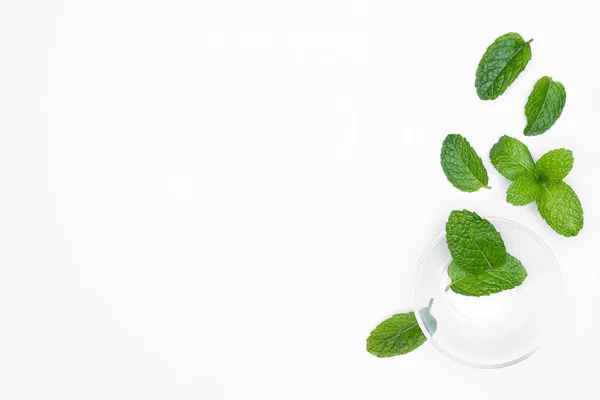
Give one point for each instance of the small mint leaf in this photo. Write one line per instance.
(397, 335)
(429, 320)
(523, 191)
(511, 158)
(561, 209)
(461, 164)
(544, 106)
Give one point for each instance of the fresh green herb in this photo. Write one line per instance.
(501, 64)
(541, 182)
(544, 106)
(481, 266)
(474, 243)
(397, 335)
(461, 164)
(508, 276)
(560, 207)
(554, 166)
(511, 158)
(524, 190)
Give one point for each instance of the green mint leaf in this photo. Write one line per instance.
(461, 164)
(560, 207)
(544, 106)
(554, 166)
(523, 190)
(428, 320)
(474, 243)
(511, 158)
(397, 335)
(508, 276)
(501, 64)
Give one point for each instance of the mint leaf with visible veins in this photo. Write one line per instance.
(461, 164)
(523, 191)
(560, 207)
(474, 243)
(508, 276)
(511, 158)
(501, 64)
(544, 106)
(397, 335)
(554, 166)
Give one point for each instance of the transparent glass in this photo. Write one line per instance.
(497, 330)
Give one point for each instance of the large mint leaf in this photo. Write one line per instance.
(544, 106)
(501, 64)
(560, 207)
(511, 158)
(397, 335)
(461, 164)
(523, 191)
(554, 166)
(474, 243)
(508, 276)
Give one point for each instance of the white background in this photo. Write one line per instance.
(220, 199)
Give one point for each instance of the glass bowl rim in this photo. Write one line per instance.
(420, 264)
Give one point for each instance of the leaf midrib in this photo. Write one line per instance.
(464, 155)
(547, 191)
(397, 335)
(490, 273)
(524, 166)
(483, 254)
(512, 157)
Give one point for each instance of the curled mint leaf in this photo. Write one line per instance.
(523, 190)
(544, 106)
(554, 166)
(474, 243)
(561, 209)
(397, 335)
(461, 164)
(508, 276)
(501, 64)
(511, 158)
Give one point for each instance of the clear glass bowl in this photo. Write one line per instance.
(491, 331)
